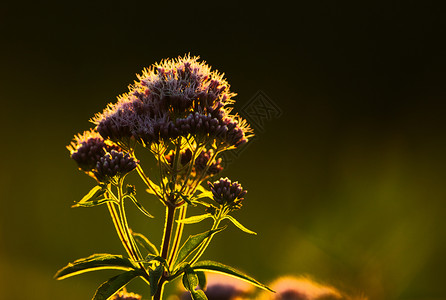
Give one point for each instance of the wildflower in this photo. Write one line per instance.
(87, 149)
(113, 165)
(227, 193)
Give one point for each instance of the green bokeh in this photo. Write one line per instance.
(347, 185)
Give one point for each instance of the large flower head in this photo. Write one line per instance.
(176, 97)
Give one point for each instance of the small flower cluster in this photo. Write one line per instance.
(220, 287)
(201, 161)
(114, 164)
(227, 193)
(124, 295)
(102, 160)
(181, 97)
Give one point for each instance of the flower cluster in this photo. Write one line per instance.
(220, 287)
(296, 288)
(103, 160)
(114, 164)
(201, 161)
(227, 193)
(87, 148)
(124, 295)
(181, 97)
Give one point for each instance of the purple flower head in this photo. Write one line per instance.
(87, 148)
(228, 193)
(124, 295)
(112, 165)
(202, 160)
(301, 288)
(175, 97)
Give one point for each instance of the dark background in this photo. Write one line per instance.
(347, 185)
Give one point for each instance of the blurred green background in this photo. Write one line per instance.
(346, 186)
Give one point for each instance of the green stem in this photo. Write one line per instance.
(170, 214)
(125, 224)
(178, 234)
(203, 247)
(203, 174)
(159, 292)
(118, 227)
(148, 182)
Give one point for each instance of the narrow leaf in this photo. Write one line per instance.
(95, 194)
(198, 295)
(195, 219)
(203, 194)
(216, 267)
(190, 283)
(91, 203)
(114, 284)
(145, 243)
(240, 226)
(154, 278)
(139, 205)
(193, 242)
(190, 279)
(93, 263)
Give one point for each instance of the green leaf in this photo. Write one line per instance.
(193, 242)
(94, 197)
(91, 203)
(154, 278)
(94, 193)
(186, 199)
(202, 282)
(240, 226)
(93, 263)
(216, 267)
(145, 243)
(198, 295)
(139, 205)
(114, 284)
(190, 282)
(203, 194)
(195, 219)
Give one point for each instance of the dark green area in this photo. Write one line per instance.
(347, 185)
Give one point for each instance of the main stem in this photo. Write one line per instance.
(170, 214)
